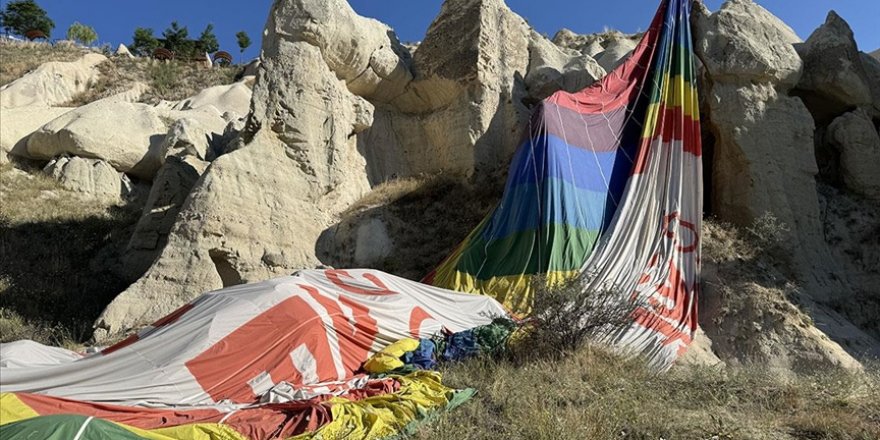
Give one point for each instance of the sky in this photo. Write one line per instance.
(115, 23)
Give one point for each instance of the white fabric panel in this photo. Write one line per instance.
(153, 372)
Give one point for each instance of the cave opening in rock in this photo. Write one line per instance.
(228, 274)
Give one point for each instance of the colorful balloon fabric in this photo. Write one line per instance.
(605, 187)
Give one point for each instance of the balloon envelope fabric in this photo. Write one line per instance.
(606, 186)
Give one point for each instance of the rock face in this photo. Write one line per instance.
(465, 107)
(53, 83)
(833, 68)
(257, 211)
(855, 138)
(552, 68)
(92, 177)
(128, 136)
(615, 52)
(338, 105)
(172, 185)
(744, 42)
(764, 163)
(18, 123)
(234, 97)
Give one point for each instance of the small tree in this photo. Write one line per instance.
(144, 42)
(84, 34)
(177, 41)
(208, 41)
(21, 16)
(244, 41)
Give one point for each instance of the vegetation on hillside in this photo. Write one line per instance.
(165, 80)
(19, 58)
(57, 252)
(23, 16)
(593, 394)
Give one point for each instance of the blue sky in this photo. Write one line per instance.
(115, 23)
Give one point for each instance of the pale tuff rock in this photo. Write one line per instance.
(16, 124)
(855, 138)
(52, 83)
(128, 136)
(833, 68)
(616, 51)
(91, 177)
(258, 211)
(362, 52)
(235, 97)
(552, 69)
(764, 163)
(172, 185)
(122, 51)
(743, 43)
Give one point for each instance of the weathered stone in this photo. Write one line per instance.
(298, 165)
(17, 124)
(743, 43)
(833, 69)
(172, 185)
(53, 83)
(615, 53)
(92, 177)
(855, 138)
(552, 69)
(128, 136)
(122, 51)
(234, 97)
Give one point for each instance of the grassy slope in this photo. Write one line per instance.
(56, 250)
(594, 395)
(166, 80)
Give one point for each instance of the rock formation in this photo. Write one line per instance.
(53, 83)
(329, 87)
(765, 163)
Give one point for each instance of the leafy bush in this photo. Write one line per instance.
(565, 316)
(144, 42)
(85, 35)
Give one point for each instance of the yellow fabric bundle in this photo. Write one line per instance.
(385, 415)
(389, 358)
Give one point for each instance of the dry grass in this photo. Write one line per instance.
(57, 253)
(17, 58)
(431, 214)
(595, 395)
(169, 81)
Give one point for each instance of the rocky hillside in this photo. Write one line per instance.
(350, 149)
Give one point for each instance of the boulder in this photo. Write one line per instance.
(872, 74)
(743, 43)
(360, 51)
(16, 124)
(834, 77)
(53, 83)
(552, 69)
(122, 51)
(764, 163)
(616, 51)
(128, 136)
(92, 177)
(235, 97)
(855, 138)
(464, 110)
(170, 188)
(188, 137)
